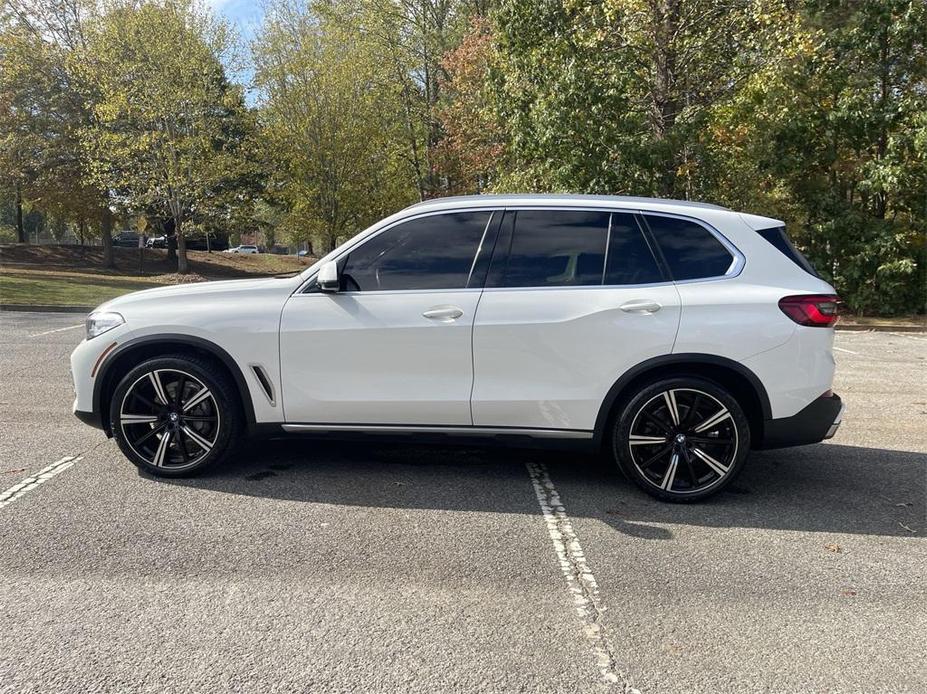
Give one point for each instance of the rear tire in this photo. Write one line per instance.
(681, 439)
(176, 415)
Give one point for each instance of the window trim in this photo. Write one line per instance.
(734, 269)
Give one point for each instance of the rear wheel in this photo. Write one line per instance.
(681, 439)
(174, 416)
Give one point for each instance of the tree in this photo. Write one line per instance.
(164, 129)
(330, 125)
(42, 112)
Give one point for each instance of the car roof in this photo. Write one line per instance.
(544, 200)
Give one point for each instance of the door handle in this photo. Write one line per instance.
(640, 306)
(444, 314)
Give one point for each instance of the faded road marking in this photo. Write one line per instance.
(46, 473)
(58, 330)
(848, 351)
(579, 578)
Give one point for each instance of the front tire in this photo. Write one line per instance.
(681, 439)
(174, 416)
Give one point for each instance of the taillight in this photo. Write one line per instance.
(818, 310)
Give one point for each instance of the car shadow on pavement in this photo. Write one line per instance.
(821, 488)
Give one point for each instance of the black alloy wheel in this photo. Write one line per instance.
(682, 439)
(173, 415)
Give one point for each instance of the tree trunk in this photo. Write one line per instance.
(106, 236)
(20, 229)
(183, 266)
(170, 239)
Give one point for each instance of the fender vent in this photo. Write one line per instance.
(263, 379)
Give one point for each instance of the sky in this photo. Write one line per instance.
(246, 16)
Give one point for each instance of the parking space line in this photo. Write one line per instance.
(46, 473)
(578, 576)
(58, 330)
(848, 351)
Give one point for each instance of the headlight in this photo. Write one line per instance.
(99, 323)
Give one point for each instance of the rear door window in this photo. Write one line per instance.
(691, 250)
(630, 260)
(557, 248)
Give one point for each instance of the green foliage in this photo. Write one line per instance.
(168, 129)
(812, 112)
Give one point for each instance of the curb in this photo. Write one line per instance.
(881, 328)
(45, 308)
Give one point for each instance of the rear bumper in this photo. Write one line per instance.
(816, 422)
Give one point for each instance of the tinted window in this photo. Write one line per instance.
(778, 238)
(691, 251)
(433, 252)
(629, 258)
(557, 248)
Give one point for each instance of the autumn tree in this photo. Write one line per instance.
(165, 115)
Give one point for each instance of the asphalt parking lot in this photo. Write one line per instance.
(336, 567)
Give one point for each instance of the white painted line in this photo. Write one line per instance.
(578, 576)
(27, 485)
(848, 351)
(910, 337)
(58, 330)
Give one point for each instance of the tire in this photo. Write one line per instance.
(681, 439)
(201, 425)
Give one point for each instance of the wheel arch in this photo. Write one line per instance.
(744, 385)
(128, 354)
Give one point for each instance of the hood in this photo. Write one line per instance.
(202, 291)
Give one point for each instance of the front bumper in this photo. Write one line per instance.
(816, 422)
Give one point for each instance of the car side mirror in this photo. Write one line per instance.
(327, 278)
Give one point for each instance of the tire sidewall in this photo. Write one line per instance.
(622, 426)
(217, 384)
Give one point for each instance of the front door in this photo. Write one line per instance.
(394, 345)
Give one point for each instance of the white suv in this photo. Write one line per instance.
(677, 336)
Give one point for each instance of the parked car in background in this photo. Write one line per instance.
(157, 242)
(243, 250)
(676, 336)
(126, 239)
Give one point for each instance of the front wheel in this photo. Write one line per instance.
(681, 439)
(174, 416)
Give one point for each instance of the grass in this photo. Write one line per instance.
(74, 276)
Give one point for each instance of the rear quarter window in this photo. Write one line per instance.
(691, 250)
(780, 239)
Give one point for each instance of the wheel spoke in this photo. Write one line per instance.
(670, 398)
(655, 457)
(690, 470)
(163, 446)
(640, 440)
(151, 433)
(196, 399)
(178, 392)
(653, 420)
(690, 413)
(710, 440)
(719, 468)
(197, 439)
(138, 418)
(160, 395)
(197, 418)
(713, 421)
(182, 445)
(670, 473)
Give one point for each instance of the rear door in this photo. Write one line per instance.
(574, 298)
